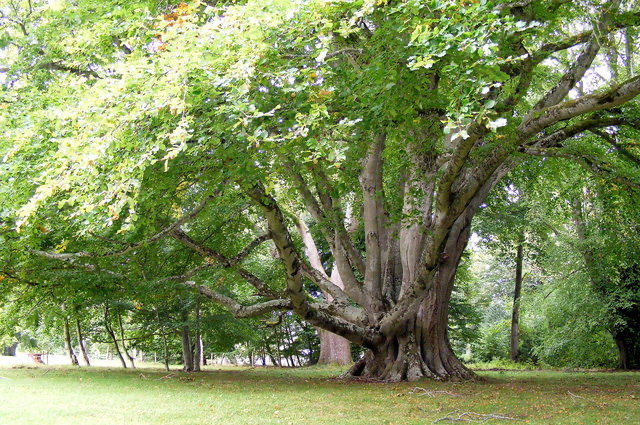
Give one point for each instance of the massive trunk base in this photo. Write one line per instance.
(402, 358)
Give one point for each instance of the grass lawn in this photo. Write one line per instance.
(65, 395)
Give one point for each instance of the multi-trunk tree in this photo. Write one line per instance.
(386, 123)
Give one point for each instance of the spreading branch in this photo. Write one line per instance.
(222, 261)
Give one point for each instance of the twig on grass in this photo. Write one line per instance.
(4, 377)
(431, 393)
(167, 376)
(472, 417)
(574, 396)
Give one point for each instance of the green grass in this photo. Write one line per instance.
(229, 396)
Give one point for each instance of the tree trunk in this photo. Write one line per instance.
(419, 346)
(124, 344)
(112, 334)
(197, 357)
(187, 353)
(515, 316)
(10, 350)
(628, 351)
(334, 349)
(81, 343)
(67, 341)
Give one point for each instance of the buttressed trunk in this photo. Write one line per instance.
(418, 345)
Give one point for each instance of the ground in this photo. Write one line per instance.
(230, 396)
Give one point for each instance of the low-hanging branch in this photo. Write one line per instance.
(263, 289)
(237, 309)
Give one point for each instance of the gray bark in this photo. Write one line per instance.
(112, 335)
(81, 343)
(515, 314)
(185, 338)
(67, 340)
(122, 339)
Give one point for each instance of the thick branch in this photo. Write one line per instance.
(573, 108)
(237, 309)
(223, 261)
(293, 275)
(580, 66)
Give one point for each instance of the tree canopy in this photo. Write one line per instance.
(321, 157)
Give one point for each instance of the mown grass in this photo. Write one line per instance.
(229, 396)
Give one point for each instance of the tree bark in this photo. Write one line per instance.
(628, 351)
(185, 337)
(334, 349)
(81, 343)
(112, 334)
(10, 350)
(515, 315)
(67, 340)
(197, 356)
(124, 344)
(419, 345)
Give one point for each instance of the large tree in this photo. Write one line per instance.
(397, 116)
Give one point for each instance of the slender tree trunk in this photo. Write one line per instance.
(112, 334)
(515, 316)
(197, 357)
(124, 344)
(67, 341)
(187, 353)
(165, 354)
(165, 344)
(81, 343)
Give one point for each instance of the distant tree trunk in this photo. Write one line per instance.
(165, 345)
(515, 316)
(10, 350)
(112, 334)
(187, 354)
(197, 357)
(124, 344)
(628, 351)
(334, 349)
(81, 343)
(67, 340)
(629, 50)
